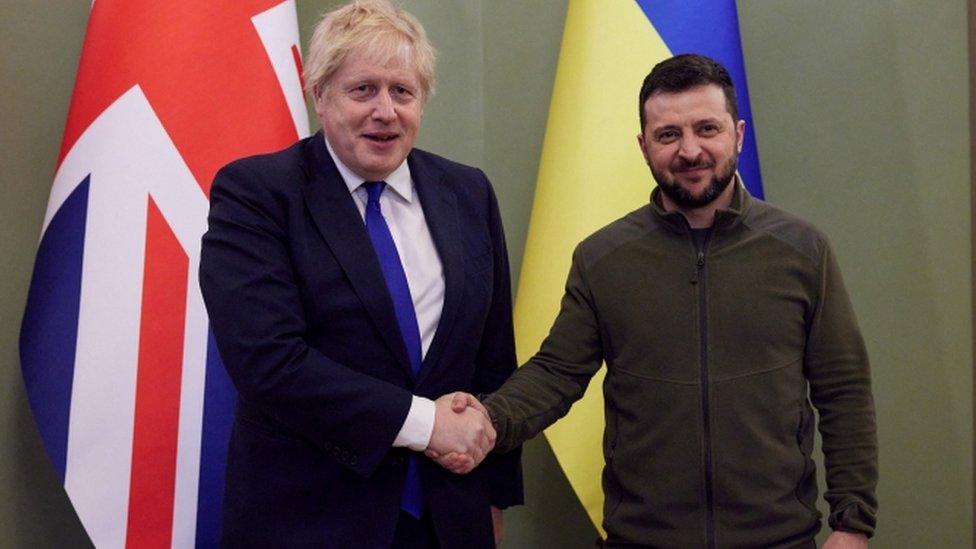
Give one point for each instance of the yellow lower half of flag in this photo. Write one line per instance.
(591, 172)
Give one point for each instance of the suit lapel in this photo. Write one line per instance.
(440, 211)
(338, 220)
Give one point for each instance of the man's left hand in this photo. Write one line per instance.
(845, 540)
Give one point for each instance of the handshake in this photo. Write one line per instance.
(462, 435)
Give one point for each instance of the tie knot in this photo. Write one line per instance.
(373, 190)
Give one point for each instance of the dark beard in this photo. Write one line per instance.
(684, 199)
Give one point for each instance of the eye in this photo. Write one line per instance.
(401, 93)
(362, 91)
(709, 129)
(667, 136)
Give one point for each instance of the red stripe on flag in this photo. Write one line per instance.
(201, 65)
(297, 57)
(157, 407)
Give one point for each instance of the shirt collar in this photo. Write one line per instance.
(400, 180)
(741, 201)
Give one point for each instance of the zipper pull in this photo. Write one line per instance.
(699, 265)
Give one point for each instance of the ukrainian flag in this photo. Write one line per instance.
(592, 172)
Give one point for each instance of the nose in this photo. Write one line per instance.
(384, 110)
(690, 148)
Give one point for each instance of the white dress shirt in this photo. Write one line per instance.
(401, 208)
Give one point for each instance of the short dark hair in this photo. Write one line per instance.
(683, 72)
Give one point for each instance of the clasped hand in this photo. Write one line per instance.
(462, 435)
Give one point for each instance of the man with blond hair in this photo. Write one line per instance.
(354, 284)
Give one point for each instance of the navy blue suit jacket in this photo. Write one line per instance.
(306, 329)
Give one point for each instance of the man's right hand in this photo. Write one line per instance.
(462, 435)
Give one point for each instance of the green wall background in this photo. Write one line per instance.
(861, 116)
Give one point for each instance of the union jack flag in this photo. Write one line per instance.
(122, 375)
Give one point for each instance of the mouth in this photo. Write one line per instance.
(691, 173)
(692, 168)
(381, 137)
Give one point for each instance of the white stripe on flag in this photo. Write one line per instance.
(278, 33)
(103, 396)
(130, 157)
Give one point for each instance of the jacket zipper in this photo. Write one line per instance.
(699, 279)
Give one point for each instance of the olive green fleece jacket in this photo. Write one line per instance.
(713, 359)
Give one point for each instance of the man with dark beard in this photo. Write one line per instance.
(723, 321)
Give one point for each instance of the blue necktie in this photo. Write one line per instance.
(396, 283)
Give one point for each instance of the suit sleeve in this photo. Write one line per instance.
(836, 365)
(545, 387)
(496, 361)
(257, 315)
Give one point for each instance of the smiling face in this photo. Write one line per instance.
(370, 113)
(691, 144)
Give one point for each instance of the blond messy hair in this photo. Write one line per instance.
(375, 29)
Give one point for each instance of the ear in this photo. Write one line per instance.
(642, 143)
(740, 135)
(318, 98)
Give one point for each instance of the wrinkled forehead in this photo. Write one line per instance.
(686, 106)
(384, 51)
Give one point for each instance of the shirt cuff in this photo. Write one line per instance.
(417, 428)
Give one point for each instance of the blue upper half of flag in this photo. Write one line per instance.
(711, 27)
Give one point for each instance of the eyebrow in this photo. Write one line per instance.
(716, 121)
(709, 120)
